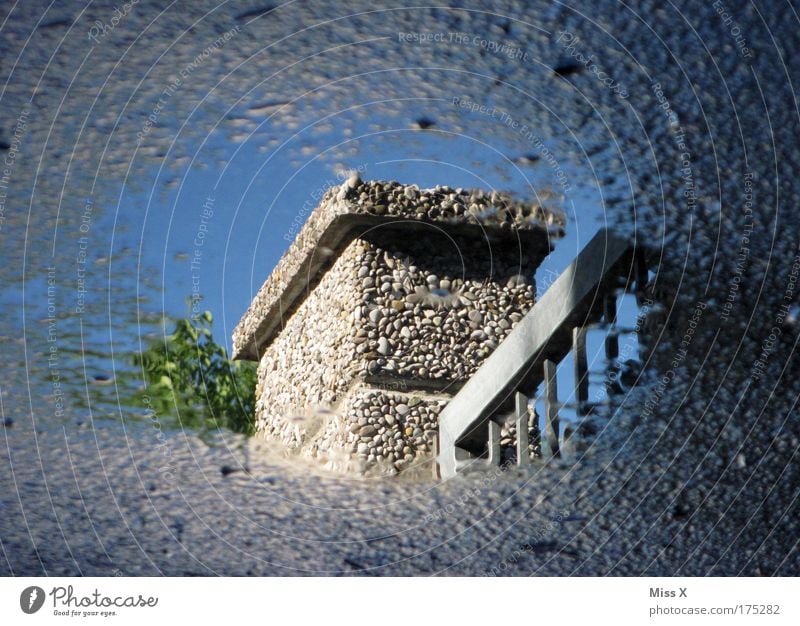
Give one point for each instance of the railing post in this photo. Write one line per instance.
(550, 439)
(522, 422)
(581, 369)
(446, 458)
(567, 444)
(494, 443)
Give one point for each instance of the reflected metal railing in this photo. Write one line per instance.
(584, 296)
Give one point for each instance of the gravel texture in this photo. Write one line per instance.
(426, 212)
(697, 472)
(412, 307)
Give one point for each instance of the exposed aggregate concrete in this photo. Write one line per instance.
(698, 475)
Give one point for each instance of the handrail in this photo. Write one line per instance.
(528, 355)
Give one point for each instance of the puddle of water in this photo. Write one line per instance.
(204, 206)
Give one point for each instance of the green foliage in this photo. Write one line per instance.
(190, 376)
